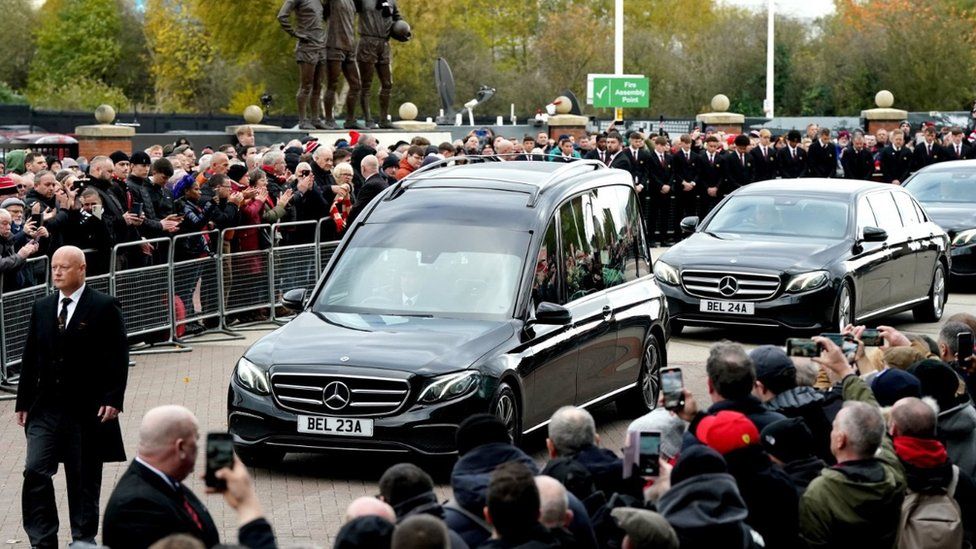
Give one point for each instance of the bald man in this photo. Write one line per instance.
(151, 502)
(72, 387)
(369, 506)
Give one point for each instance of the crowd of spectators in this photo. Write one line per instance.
(864, 448)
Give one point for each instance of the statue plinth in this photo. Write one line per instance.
(103, 139)
(415, 126)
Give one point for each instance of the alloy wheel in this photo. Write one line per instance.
(845, 313)
(505, 411)
(938, 291)
(651, 381)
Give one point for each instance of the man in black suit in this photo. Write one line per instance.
(709, 176)
(929, 151)
(822, 156)
(660, 187)
(685, 181)
(764, 157)
(792, 159)
(737, 166)
(375, 184)
(619, 157)
(150, 502)
(600, 151)
(956, 148)
(896, 159)
(640, 158)
(857, 160)
(72, 386)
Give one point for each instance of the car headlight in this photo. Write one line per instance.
(807, 281)
(252, 377)
(964, 238)
(449, 387)
(665, 273)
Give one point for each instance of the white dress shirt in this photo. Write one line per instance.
(166, 478)
(71, 306)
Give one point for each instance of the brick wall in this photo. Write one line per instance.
(90, 147)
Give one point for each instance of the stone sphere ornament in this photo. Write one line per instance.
(253, 114)
(720, 103)
(105, 114)
(408, 111)
(884, 99)
(563, 105)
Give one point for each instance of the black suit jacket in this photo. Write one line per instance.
(822, 160)
(709, 173)
(895, 165)
(857, 164)
(373, 187)
(640, 165)
(659, 174)
(81, 370)
(595, 155)
(685, 167)
(734, 173)
(790, 167)
(923, 157)
(143, 509)
(623, 161)
(765, 166)
(950, 151)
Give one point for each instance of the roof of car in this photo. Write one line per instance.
(951, 165)
(814, 185)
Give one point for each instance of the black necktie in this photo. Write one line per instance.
(63, 315)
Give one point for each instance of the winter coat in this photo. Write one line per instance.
(807, 404)
(707, 512)
(769, 495)
(802, 472)
(957, 430)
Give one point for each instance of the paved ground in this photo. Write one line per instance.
(306, 496)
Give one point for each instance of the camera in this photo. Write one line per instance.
(266, 100)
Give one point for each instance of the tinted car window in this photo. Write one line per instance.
(582, 272)
(545, 286)
(885, 211)
(622, 253)
(412, 269)
(781, 216)
(906, 207)
(943, 186)
(865, 216)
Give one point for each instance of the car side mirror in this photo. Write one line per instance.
(294, 300)
(874, 234)
(550, 313)
(689, 224)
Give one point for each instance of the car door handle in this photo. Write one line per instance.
(607, 313)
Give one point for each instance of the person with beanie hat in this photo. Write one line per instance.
(410, 491)
(776, 386)
(928, 469)
(645, 529)
(891, 385)
(483, 443)
(790, 444)
(671, 428)
(702, 503)
(956, 426)
(768, 492)
(238, 172)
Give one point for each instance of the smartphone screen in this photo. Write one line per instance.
(220, 454)
(672, 385)
(37, 219)
(838, 339)
(872, 338)
(965, 347)
(650, 453)
(796, 346)
(136, 208)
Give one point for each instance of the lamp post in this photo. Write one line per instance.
(768, 104)
(618, 37)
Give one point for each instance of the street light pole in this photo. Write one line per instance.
(618, 37)
(770, 69)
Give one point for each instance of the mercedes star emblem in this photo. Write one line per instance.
(336, 395)
(343, 359)
(728, 286)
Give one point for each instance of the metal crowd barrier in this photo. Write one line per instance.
(16, 312)
(171, 286)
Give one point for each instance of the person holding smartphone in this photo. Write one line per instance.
(150, 501)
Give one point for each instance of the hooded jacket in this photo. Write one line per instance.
(769, 495)
(957, 430)
(807, 404)
(469, 482)
(803, 471)
(707, 511)
(426, 504)
(855, 504)
(405, 168)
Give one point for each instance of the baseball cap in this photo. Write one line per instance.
(645, 528)
(771, 362)
(67, 163)
(7, 186)
(727, 431)
(788, 440)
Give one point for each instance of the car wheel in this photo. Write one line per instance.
(932, 309)
(643, 397)
(259, 457)
(506, 408)
(845, 306)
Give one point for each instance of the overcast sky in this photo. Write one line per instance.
(806, 9)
